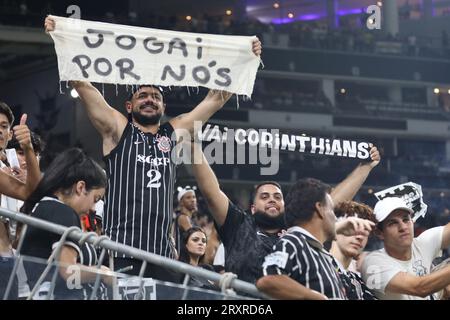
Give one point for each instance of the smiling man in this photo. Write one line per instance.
(402, 270)
(299, 267)
(6, 120)
(248, 238)
(141, 172)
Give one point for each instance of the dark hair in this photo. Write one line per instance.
(130, 96)
(160, 89)
(203, 213)
(66, 169)
(255, 190)
(36, 141)
(302, 198)
(184, 254)
(353, 208)
(6, 110)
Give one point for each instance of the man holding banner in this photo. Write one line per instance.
(249, 238)
(137, 150)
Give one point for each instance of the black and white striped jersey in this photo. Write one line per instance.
(139, 196)
(355, 287)
(41, 243)
(303, 258)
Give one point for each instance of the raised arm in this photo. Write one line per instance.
(352, 226)
(423, 286)
(9, 185)
(212, 103)
(348, 188)
(209, 185)
(283, 287)
(109, 122)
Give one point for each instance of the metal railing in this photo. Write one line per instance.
(226, 281)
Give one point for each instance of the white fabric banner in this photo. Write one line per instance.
(120, 54)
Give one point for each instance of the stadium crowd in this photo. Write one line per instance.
(308, 243)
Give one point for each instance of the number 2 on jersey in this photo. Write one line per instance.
(154, 176)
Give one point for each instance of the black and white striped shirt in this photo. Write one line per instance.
(302, 257)
(139, 196)
(355, 288)
(40, 243)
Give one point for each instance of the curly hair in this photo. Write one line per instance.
(353, 208)
(302, 198)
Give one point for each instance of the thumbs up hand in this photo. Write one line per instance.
(22, 133)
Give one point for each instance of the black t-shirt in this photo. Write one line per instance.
(41, 243)
(245, 245)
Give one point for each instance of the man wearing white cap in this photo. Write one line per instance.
(401, 271)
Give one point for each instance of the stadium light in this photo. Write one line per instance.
(188, 18)
(436, 90)
(343, 90)
(276, 5)
(290, 15)
(228, 12)
(448, 91)
(74, 93)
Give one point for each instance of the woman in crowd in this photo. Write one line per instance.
(346, 249)
(71, 186)
(193, 248)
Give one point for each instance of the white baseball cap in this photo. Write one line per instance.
(182, 191)
(384, 207)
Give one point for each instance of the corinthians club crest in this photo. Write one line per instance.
(164, 143)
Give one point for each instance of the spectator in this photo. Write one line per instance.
(187, 207)
(248, 238)
(192, 251)
(402, 270)
(70, 188)
(299, 267)
(11, 188)
(347, 249)
(38, 147)
(145, 224)
(9, 185)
